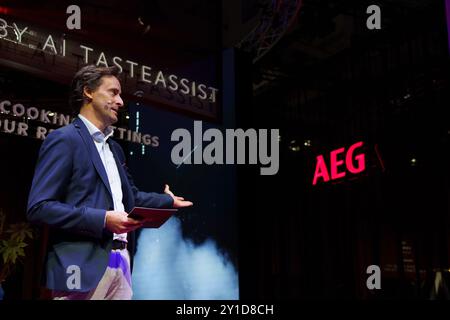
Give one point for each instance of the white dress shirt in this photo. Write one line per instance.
(115, 183)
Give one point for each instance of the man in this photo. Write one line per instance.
(82, 190)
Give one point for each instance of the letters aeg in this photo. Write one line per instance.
(354, 164)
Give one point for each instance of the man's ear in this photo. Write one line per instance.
(87, 93)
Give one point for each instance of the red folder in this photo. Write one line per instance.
(152, 217)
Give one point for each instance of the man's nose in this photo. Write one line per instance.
(119, 101)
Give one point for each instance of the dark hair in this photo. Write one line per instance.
(90, 77)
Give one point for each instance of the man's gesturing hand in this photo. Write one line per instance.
(178, 202)
(118, 222)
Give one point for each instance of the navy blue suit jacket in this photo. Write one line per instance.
(70, 193)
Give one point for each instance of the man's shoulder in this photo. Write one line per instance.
(62, 133)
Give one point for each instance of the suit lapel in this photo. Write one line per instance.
(92, 150)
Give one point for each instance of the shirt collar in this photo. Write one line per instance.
(95, 132)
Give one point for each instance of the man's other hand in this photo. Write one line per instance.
(178, 202)
(118, 222)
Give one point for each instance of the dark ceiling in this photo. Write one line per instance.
(193, 26)
(325, 28)
(168, 29)
(182, 31)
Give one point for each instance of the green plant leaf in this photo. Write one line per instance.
(20, 231)
(11, 250)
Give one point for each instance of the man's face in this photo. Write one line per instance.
(106, 100)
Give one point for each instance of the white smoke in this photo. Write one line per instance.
(169, 267)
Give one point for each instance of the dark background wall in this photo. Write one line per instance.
(388, 88)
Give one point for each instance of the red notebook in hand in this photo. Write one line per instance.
(152, 217)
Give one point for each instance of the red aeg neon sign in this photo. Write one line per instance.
(321, 167)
